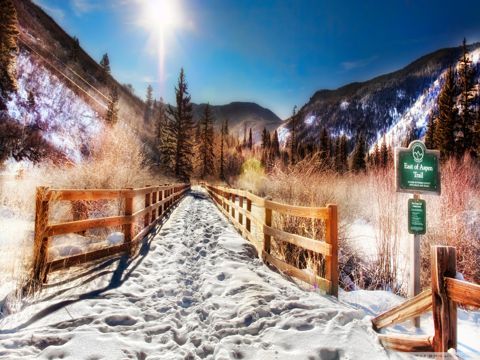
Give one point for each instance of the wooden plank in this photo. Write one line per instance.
(331, 262)
(82, 225)
(300, 211)
(407, 343)
(463, 292)
(444, 310)
(317, 246)
(40, 245)
(290, 270)
(128, 229)
(64, 263)
(86, 195)
(410, 308)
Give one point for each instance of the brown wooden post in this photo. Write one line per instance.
(331, 262)
(161, 197)
(240, 215)
(154, 211)
(444, 310)
(248, 222)
(234, 200)
(267, 238)
(128, 229)
(40, 245)
(146, 217)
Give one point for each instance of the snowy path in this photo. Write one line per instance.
(197, 293)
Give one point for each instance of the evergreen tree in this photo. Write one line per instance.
(376, 157)
(223, 134)
(324, 146)
(265, 139)
(275, 144)
(8, 50)
(111, 117)
(161, 132)
(430, 140)
(244, 135)
(148, 104)
(31, 100)
(206, 144)
(75, 50)
(182, 129)
(464, 140)
(250, 140)
(445, 122)
(105, 66)
(384, 153)
(359, 154)
(343, 154)
(337, 152)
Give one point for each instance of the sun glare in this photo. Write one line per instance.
(158, 16)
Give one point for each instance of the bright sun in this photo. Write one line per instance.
(159, 16)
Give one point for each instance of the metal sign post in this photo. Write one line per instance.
(417, 171)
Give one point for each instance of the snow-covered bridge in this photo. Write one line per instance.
(196, 290)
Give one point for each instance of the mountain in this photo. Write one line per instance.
(241, 115)
(390, 104)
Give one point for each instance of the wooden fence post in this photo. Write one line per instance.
(154, 211)
(40, 246)
(444, 310)
(247, 218)
(267, 239)
(146, 218)
(160, 209)
(128, 229)
(240, 215)
(331, 262)
(233, 198)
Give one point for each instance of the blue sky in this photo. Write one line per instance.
(275, 53)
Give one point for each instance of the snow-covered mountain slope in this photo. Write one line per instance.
(198, 291)
(390, 104)
(66, 121)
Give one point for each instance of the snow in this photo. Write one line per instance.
(344, 105)
(197, 291)
(67, 121)
(283, 134)
(309, 120)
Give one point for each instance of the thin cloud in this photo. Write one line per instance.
(81, 7)
(56, 13)
(355, 64)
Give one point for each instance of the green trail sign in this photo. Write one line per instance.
(417, 215)
(417, 169)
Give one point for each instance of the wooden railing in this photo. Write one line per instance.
(242, 218)
(157, 201)
(442, 299)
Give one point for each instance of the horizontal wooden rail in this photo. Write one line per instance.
(463, 292)
(407, 343)
(240, 214)
(160, 199)
(409, 309)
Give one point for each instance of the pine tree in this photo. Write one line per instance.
(166, 140)
(445, 122)
(207, 156)
(275, 145)
(250, 139)
(430, 140)
(148, 104)
(265, 139)
(31, 100)
(111, 116)
(376, 157)
(343, 154)
(464, 141)
(324, 146)
(105, 67)
(75, 50)
(359, 154)
(8, 50)
(384, 153)
(182, 128)
(161, 131)
(224, 133)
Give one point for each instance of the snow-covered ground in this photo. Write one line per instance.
(197, 291)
